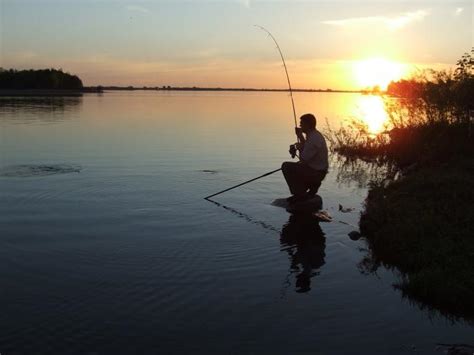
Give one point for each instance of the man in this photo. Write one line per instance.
(304, 177)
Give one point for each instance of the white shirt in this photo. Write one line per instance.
(315, 152)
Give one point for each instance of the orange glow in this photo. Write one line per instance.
(371, 110)
(377, 72)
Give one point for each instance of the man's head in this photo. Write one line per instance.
(308, 122)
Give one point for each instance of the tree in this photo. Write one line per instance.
(50, 79)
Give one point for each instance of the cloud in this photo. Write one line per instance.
(136, 8)
(391, 23)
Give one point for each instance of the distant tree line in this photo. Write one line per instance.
(48, 79)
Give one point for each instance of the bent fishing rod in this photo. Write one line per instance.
(294, 116)
(286, 70)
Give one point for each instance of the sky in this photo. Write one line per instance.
(327, 44)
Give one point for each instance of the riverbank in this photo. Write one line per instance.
(418, 218)
(422, 225)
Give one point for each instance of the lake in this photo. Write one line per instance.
(107, 245)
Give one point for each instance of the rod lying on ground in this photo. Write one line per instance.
(243, 183)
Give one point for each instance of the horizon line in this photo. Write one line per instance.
(217, 88)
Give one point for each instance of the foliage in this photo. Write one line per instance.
(354, 139)
(50, 79)
(422, 225)
(421, 222)
(437, 96)
(430, 117)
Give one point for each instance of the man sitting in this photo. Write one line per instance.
(304, 177)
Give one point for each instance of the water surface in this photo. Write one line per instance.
(107, 245)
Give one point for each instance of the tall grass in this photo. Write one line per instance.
(422, 224)
(431, 116)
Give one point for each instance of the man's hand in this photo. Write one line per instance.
(299, 146)
(299, 133)
(292, 150)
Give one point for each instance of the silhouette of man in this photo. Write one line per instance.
(304, 241)
(304, 177)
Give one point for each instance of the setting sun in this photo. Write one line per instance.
(377, 72)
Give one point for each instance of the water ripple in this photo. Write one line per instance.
(33, 170)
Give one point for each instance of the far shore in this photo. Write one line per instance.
(101, 89)
(47, 92)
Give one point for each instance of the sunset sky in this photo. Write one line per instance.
(327, 44)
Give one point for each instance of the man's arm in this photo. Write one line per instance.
(299, 134)
(301, 139)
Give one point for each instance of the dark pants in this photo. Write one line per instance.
(301, 177)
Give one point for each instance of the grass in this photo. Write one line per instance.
(422, 225)
(420, 220)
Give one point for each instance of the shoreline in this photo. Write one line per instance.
(103, 89)
(116, 88)
(43, 92)
(421, 225)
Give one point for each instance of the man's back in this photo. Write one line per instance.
(315, 152)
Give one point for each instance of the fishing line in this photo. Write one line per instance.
(246, 217)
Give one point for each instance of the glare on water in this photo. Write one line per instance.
(370, 109)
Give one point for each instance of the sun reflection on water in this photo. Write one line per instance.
(371, 110)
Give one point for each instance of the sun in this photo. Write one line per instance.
(377, 72)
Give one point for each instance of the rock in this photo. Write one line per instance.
(309, 206)
(345, 209)
(354, 235)
(280, 202)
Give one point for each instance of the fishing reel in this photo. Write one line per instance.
(293, 150)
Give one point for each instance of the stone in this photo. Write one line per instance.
(309, 206)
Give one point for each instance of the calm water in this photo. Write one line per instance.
(107, 246)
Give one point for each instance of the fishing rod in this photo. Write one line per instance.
(293, 152)
(286, 70)
(243, 183)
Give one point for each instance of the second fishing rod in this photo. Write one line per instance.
(293, 150)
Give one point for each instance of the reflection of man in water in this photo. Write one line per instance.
(305, 243)
(308, 173)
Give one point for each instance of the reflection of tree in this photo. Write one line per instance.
(45, 109)
(305, 243)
